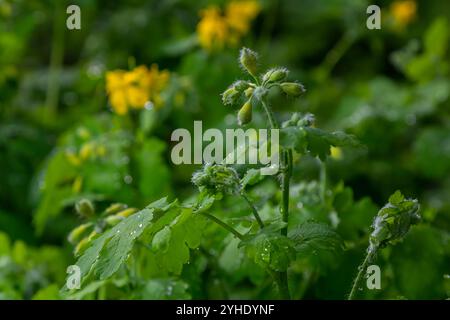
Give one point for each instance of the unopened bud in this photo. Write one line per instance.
(292, 88)
(230, 96)
(245, 113)
(76, 233)
(85, 208)
(115, 207)
(240, 85)
(275, 75)
(127, 212)
(249, 92)
(249, 61)
(113, 220)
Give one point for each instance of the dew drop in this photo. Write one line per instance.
(128, 179)
(148, 105)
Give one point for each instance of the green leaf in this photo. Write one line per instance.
(154, 175)
(315, 141)
(48, 293)
(436, 37)
(165, 289)
(110, 250)
(312, 237)
(251, 177)
(268, 248)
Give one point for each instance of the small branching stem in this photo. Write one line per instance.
(361, 271)
(255, 212)
(223, 224)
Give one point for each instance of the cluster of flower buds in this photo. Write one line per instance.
(300, 120)
(393, 221)
(217, 179)
(252, 92)
(83, 235)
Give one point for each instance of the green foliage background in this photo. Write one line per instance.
(390, 88)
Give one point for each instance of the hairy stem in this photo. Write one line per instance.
(270, 116)
(361, 271)
(255, 212)
(223, 224)
(285, 181)
(286, 158)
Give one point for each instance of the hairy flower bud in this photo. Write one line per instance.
(81, 246)
(76, 233)
(249, 92)
(217, 178)
(113, 220)
(249, 61)
(115, 207)
(240, 85)
(245, 113)
(393, 221)
(275, 75)
(85, 208)
(292, 88)
(230, 96)
(127, 212)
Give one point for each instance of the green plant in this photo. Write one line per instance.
(156, 242)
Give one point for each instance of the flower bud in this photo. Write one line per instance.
(217, 178)
(393, 221)
(240, 85)
(113, 220)
(230, 96)
(115, 207)
(292, 88)
(76, 233)
(245, 113)
(275, 75)
(127, 212)
(249, 61)
(249, 92)
(85, 208)
(81, 246)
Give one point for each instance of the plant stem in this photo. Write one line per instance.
(285, 180)
(286, 158)
(273, 122)
(361, 270)
(282, 284)
(338, 51)
(56, 60)
(223, 224)
(255, 212)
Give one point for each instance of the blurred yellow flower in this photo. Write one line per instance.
(133, 89)
(218, 28)
(403, 11)
(336, 153)
(212, 29)
(239, 14)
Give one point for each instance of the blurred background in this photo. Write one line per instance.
(88, 114)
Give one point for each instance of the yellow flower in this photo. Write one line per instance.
(212, 29)
(217, 29)
(239, 14)
(86, 150)
(403, 11)
(73, 158)
(77, 184)
(133, 89)
(336, 153)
